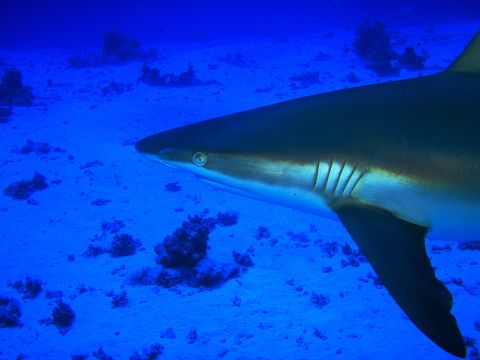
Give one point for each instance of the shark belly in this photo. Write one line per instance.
(450, 214)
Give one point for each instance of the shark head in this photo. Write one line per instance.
(236, 154)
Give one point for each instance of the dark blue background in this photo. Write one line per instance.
(71, 24)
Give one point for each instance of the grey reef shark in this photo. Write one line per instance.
(394, 162)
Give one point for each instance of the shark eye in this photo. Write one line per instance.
(199, 159)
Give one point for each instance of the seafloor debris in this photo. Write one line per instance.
(79, 357)
(209, 273)
(100, 354)
(299, 239)
(410, 60)
(235, 59)
(30, 288)
(121, 48)
(151, 75)
(470, 245)
(305, 79)
(94, 251)
(91, 164)
(372, 44)
(242, 259)
(262, 233)
(168, 333)
(373, 278)
(115, 88)
(227, 218)
(327, 269)
(168, 278)
(236, 301)
(351, 78)
(124, 245)
(22, 190)
(100, 202)
(319, 300)
(476, 324)
(151, 352)
(145, 276)
(322, 56)
(471, 343)
(436, 249)
(112, 227)
(173, 186)
(329, 248)
(319, 334)
(119, 300)
(37, 148)
(117, 49)
(192, 336)
(12, 90)
(121, 245)
(5, 112)
(9, 312)
(353, 257)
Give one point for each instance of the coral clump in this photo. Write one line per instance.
(5, 113)
(30, 288)
(305, 79)
(373, 45)
(119, 300)
(121, 48)
(209, 273)
(148, 353)
(37, 148)
(12, 90)
(117, 49)
(242, 259)
(227, 218)
(469, 245)
(183, 256)
(151, 75)
(187, 245)
(9, 312)
(62, 316)
(124, 245)
(319, 300)
(21, 190)
(115, 88)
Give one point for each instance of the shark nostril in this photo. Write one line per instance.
(199, 159)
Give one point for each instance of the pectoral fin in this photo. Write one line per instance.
(396, 250)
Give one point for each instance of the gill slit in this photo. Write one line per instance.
(349, 178)
(357, 181)
(339, 176)
(327, 178)
(315, 175)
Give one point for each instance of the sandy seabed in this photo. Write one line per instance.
(267, 311)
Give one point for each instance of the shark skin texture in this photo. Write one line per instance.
(392, 161)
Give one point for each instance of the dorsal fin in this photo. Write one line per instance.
(469, 59)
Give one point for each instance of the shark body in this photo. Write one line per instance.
(391, 161)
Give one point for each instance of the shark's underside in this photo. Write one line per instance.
(393, 161)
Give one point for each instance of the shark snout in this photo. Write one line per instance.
(148, 145)
(151, 149)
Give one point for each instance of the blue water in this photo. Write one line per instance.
(53, 23)
(86, 221)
